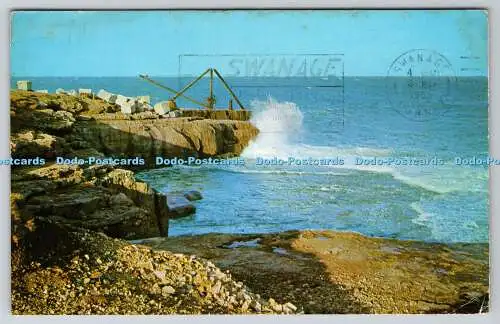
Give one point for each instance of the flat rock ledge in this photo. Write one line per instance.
(329, 272)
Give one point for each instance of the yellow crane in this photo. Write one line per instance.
(209, 102)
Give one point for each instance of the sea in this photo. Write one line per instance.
(353, 119)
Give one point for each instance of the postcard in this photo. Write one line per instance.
(249, 162)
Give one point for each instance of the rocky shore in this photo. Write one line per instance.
(65, 125)
(69, 222)
(328, 272)
(103, 197)
(80, 233)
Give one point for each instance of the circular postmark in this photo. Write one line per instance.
(420, 84)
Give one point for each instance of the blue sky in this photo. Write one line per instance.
(120, 43)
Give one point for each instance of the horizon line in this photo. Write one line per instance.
(235, 76)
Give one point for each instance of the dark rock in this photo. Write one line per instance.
(100, 198)
(193, 195)
(179, 206)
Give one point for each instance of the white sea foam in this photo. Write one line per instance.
(280, 125)
(423, 218)
(280, 171)
(444, 179)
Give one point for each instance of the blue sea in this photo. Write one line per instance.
(357, 118)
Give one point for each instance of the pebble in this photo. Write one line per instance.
(167, 290)
(159, 274)
(245, 305)
(183, 280)
(256, 306)
(232, 300)
(216, 288)
(290, 306)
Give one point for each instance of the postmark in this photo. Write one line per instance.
(420, 84)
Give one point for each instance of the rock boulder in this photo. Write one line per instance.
(144, 99)
(193, 195)
(179, 206)
(99, 198)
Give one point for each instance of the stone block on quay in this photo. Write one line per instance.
(130, 107)
(112, 99)
(174, 114)
(107, 96)
(24, 85)
(147, 107)
(144, 99)
(139, 106)
(121, 99)
(85, 92)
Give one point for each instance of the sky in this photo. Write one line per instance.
(166, 43)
